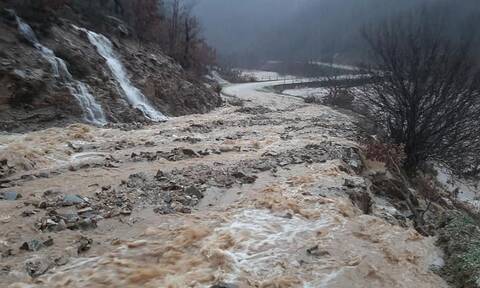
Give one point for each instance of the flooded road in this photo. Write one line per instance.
(252, 196)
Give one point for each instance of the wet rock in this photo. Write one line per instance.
(163, 209)
(244, 178)
(75, 147)
(6, 169)
(190, 152)
(50, 225)
(32, 245)
(226, 149)
(61, 225)
(317, 252)
(194, 191)
(86, 210)
(149, 144)
(126, 212)
(84, 224)
(181, 208)
(224, 285)
(5, 270)
(349, 183)
(160, 175)
(191, 140)
(5, 250)
(48, 242)
(263, 166)
(50, 194)
(205, 152)
(172, 187)
(354, 161)
(84, 244)
(5, 183)
(37, 266)
(69, 217)
(71, 200)
(254, 110)
(110, 162)
(10, 196)
(43, 175)
(270, 153)
(62, 260)
(27, 177)
(361, 199)
(28, 213)
(198, 128)
(137, 180)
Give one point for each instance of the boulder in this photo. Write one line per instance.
(10, 196)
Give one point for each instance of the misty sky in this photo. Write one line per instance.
(303, 29)
(232, 25)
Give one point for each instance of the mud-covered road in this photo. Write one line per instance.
(252, 196)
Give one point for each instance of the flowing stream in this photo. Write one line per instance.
(294, 227)
(134, 96)
(93, 112)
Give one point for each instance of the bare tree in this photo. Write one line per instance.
(174, 23)
(427, 95)
(191, 31)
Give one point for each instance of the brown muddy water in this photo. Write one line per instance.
(273, 212)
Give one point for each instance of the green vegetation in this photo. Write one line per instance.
(459, 237)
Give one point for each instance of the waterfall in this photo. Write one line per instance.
(93, 112)
(134, 95)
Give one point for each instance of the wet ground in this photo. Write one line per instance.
(251, 196)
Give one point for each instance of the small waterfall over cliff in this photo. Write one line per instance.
(92, 110)
(134, 95)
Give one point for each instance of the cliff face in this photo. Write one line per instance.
(33, 95)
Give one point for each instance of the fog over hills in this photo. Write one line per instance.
(315, 29)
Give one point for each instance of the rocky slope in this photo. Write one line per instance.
(32, 96)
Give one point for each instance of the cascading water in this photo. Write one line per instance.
(134, 95)
(92, 110)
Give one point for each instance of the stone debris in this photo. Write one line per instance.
(10, 196)
(71, 200)
(254, 110)
(84, 244)
(32, 245)
(188, 139)
(37, 266)
(224, 285)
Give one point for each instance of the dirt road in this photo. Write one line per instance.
(252, 196)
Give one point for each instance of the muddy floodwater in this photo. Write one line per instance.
(251, 196)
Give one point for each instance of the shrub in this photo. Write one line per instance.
(426, 96)
(342, 98)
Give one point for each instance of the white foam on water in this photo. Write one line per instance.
(268, 242)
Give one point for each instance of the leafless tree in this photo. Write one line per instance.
(191, 31)
(427, 97)
(174, 23)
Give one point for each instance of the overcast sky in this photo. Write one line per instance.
(303, 28)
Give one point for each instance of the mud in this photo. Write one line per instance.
(248, 197)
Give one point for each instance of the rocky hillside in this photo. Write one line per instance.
(33, 95)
